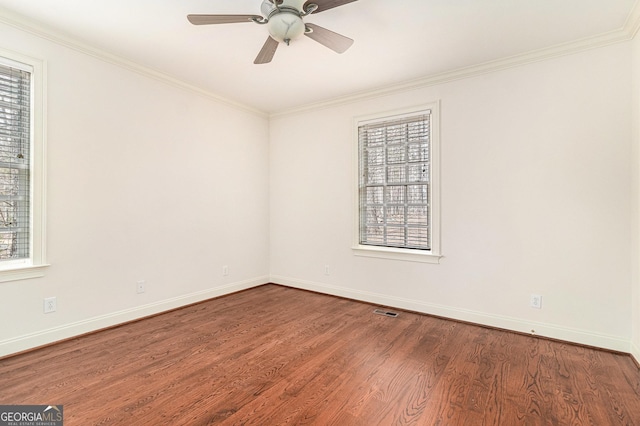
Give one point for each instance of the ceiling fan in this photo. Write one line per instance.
(284, 20)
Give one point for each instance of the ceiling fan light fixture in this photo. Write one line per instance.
(285, 26)
(284, 22)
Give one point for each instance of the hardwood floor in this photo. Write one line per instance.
(274, 355)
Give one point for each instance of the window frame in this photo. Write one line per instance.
(34, 266)
(433, 255)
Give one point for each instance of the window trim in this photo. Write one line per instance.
(35, 265)
(405, 254)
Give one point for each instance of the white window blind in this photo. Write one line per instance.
(15, 143)
(394, 187)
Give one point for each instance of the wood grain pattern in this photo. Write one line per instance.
(275, 356)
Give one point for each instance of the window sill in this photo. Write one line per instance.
(21, 272)
(396, 254)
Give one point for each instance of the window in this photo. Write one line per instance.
(21, 167)
(398, 214)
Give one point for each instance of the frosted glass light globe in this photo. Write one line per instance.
(285, 26)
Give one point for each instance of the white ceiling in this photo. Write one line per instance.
(395, 40)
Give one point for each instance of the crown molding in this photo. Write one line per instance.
(626, 33)
(21, 23)
(467, 72)
(632, 25)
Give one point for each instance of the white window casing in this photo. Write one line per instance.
(22, 167)
(397, 196)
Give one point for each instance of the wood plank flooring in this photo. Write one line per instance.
(275, 355)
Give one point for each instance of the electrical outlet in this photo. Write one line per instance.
(49, 305)
(536, 301)
(225, 270)
(326, 269)
(140, 286)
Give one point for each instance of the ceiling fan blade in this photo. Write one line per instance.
(334, 41)
(266, 53)
(221, 19)
(327, 4)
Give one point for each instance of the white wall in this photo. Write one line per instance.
(635, 297)
(536, 184)
(146, 181)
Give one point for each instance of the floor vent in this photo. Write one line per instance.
(385, 313)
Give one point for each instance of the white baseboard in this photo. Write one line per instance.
(567, 334)
(44, 337)
(635, 352)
